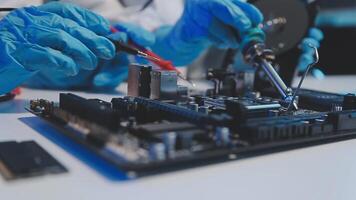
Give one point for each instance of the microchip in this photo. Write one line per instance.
(26, 159)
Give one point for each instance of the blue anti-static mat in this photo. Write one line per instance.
(103, 167)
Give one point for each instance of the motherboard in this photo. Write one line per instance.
(162, 126)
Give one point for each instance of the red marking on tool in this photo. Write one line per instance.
(163, 64)
(16, 91)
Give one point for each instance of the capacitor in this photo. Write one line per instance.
(169, 140)
(157, 151)
(222, 135)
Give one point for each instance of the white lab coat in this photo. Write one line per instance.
(160, 12)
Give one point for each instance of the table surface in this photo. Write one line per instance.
(319, 172)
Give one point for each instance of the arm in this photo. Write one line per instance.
(206, 23)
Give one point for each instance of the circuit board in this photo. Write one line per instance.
(142, 135)
(162, 126)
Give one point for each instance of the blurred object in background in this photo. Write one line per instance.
(337, 19)
(332, 4)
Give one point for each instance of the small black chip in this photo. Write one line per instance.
(26, 159)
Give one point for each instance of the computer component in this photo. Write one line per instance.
(26, 159)
(164, 84)
(139, 80)
(143, 136)
(161, 127)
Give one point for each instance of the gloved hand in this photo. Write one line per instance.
(108, 74)
(315, 36)
(205, 23)
(114, 71)
(52, 40)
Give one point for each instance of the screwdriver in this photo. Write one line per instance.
(134, 49)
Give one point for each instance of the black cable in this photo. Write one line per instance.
(6, 9)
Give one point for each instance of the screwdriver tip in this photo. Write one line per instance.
(153, 58)
(145, 55)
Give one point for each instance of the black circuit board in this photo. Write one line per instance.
(144, 136)
(26, 159)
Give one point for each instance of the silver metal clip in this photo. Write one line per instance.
(316, 60)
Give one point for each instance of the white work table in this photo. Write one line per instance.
(320, 172)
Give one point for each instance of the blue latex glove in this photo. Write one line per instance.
(115, 71)
(53, 41)
(205, 23)
(315, 36)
